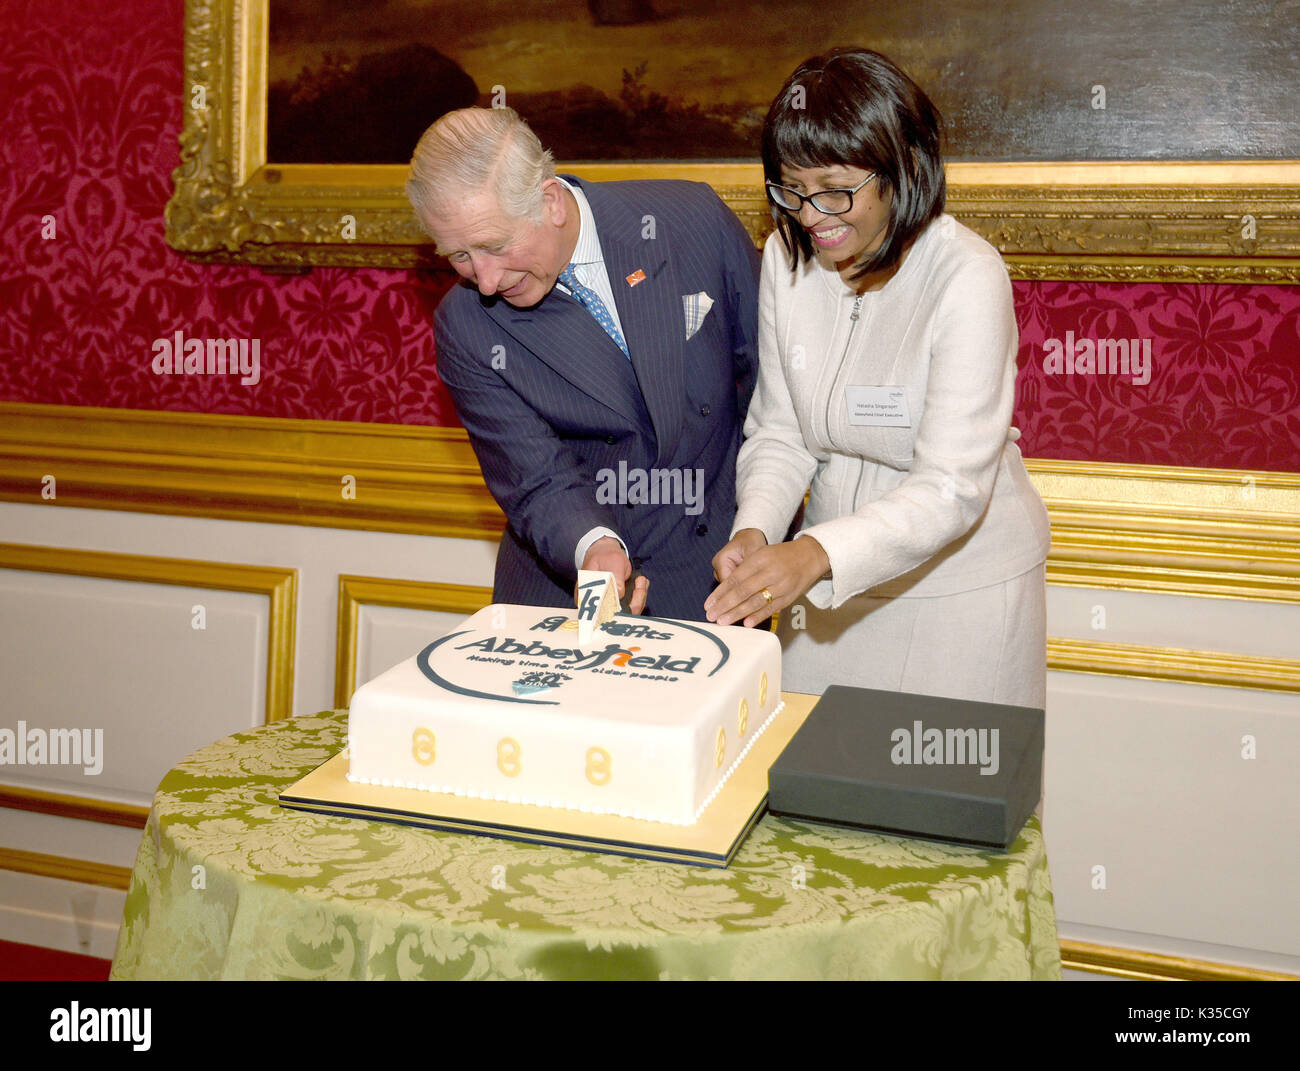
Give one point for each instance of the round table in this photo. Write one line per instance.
(228, 884)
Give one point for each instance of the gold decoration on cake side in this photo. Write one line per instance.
(570, 625)
(598, 766)
(744, 714)
(509, 756)
(762, 690)
(720, 750)
(424, 746)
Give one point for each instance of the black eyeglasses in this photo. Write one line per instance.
(828, 202)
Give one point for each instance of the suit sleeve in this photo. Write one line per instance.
(546, 491)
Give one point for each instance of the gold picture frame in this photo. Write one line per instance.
(1235, 222)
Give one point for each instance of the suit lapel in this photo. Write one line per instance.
(561, 333)
(650, 311)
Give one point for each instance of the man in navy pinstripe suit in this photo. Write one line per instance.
(601, 358)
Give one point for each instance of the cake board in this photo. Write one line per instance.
(712, 842)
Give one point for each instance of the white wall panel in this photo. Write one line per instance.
(53, 913)
(387, 635)
(320, 554)
(71, 838)
(1236, 626)
(1147, 779)
(120, 661)
(65, 915)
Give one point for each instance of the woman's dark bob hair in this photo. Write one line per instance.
(854, 107)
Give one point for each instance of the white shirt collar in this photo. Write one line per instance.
(587, 251)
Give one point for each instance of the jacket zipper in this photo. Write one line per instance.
(830, 398)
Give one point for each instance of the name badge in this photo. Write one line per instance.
(878, 407)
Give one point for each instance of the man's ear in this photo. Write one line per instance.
(556, 206)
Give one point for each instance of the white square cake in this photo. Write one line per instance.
(647, 722)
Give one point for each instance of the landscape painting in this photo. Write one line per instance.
(357, 81)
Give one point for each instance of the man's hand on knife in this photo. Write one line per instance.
(606, 555)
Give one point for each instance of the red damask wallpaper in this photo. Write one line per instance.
(1222, 374)
(90, 103)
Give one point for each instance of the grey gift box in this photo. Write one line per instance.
(913, 765)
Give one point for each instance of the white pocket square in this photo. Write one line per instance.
(696, 307)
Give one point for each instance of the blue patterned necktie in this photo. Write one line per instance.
(591, 300)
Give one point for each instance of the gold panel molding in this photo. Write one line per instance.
(1104, 221)
(412, 479)
(426, 481)
(1150, 966)
(358, 591)
(1209, 532)
(79, 807)
(1202, 532)
(1174, 664)
(280, 587)
(57, 866)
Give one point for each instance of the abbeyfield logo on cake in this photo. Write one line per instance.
(26, 746)
(570, 658)
(545, 662)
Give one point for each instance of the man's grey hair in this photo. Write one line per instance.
(479, 149)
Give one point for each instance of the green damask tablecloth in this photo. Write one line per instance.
(228, 884)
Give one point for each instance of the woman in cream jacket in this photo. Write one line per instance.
(887, 375)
